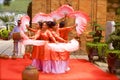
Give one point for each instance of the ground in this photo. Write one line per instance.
(6, 47)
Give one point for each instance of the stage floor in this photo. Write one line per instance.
(80, 69)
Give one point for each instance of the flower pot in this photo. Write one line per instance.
(113, 62)
(91, 53)
(96, 49)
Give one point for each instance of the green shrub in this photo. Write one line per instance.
(97, 32)
(114, 37)
(4, 34)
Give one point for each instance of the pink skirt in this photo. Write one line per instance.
(51, 66)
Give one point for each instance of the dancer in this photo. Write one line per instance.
(59, 61)
(35, 52)
(41, 53)
(36, 30)
(53, 27)
(64, 31)
(37, 27)
(47, 62)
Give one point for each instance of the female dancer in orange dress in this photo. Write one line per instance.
(50, 68)
(64, 31)
(41, 54)
(35, 51)
(59, 61)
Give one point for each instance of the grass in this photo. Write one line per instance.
(18, 6)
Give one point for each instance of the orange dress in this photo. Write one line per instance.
(42, 52)
(59, 55)
(64, 32)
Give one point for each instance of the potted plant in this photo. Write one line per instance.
(96, 47)
(113, 56)
(4, 34)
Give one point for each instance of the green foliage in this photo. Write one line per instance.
(4, 34)
(96, 44)
(4, 18)
(7, 2)
(99, 46)
(97, 32)
(29, 12)
(11, 28)
(114, 38)
(7, 18)
(118, 11)
(19, 6)
(117, 18)
(116, 52)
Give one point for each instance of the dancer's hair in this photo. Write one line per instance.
(51, 24)
(62, 24)
(40, 24)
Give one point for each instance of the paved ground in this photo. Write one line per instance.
(6, 47)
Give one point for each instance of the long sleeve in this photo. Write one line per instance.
(64, 32)
(37, 35)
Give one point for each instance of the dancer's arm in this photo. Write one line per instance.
(31, 29)
(36, 35)
(52, 37)
(57, 37)
(70, 28)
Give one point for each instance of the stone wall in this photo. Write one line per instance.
(112, 7)
(96, 9)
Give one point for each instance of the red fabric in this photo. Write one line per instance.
(57, 37)
(64, 32)
(40, 52)
(12, 69)
(59, 55)
(80, 70)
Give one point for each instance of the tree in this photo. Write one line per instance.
(7, 2)
(29, 12)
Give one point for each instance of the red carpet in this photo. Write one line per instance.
(80, 70)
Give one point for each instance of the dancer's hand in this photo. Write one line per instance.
(56, 42)
(66, 41)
